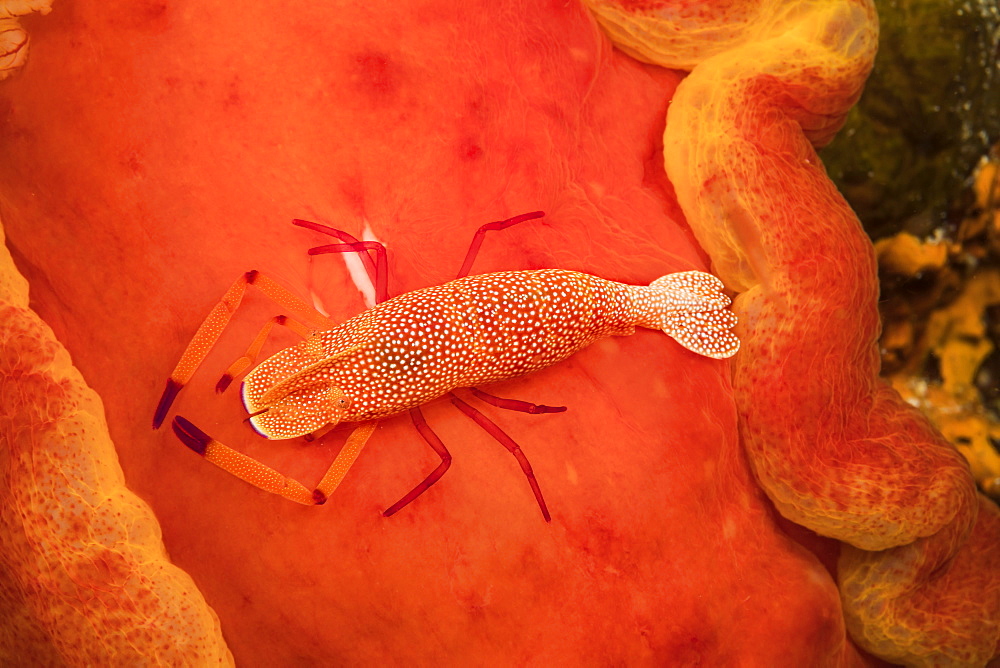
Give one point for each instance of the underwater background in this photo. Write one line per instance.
(786, 508)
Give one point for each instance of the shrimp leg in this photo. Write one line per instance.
(506, 441)
(250, 356)
(438, 446)
(213, 325)
(264, 477)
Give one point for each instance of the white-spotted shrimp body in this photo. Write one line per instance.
(474, 330)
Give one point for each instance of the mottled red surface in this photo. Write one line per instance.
(835, 448)
(153, 153)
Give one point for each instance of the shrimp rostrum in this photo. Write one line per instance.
(422, 345)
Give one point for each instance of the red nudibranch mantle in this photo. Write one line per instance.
(152, 152)
(833, 446)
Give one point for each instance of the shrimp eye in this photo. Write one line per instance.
(341, 402)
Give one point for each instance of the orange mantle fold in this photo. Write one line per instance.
(84, 575)
(833, 446)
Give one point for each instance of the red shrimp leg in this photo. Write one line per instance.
(343, 236)
(477, 240)
(264, 477)
(438, 445)
(377, 270)
(506, 441)
(515, 404)
(381, 271)
(213, 325)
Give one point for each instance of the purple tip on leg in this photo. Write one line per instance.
(223, 383)
(166, 400)
(515, 404)
(537, 409)
(190, 435)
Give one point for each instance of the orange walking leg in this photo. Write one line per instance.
(264, 477)
(241, 364)
(213, 325)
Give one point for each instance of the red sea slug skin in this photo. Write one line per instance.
(834, 447)
(154, 152)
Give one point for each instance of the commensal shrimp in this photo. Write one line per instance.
(419, 346)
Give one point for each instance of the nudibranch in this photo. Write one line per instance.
(152, 153)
